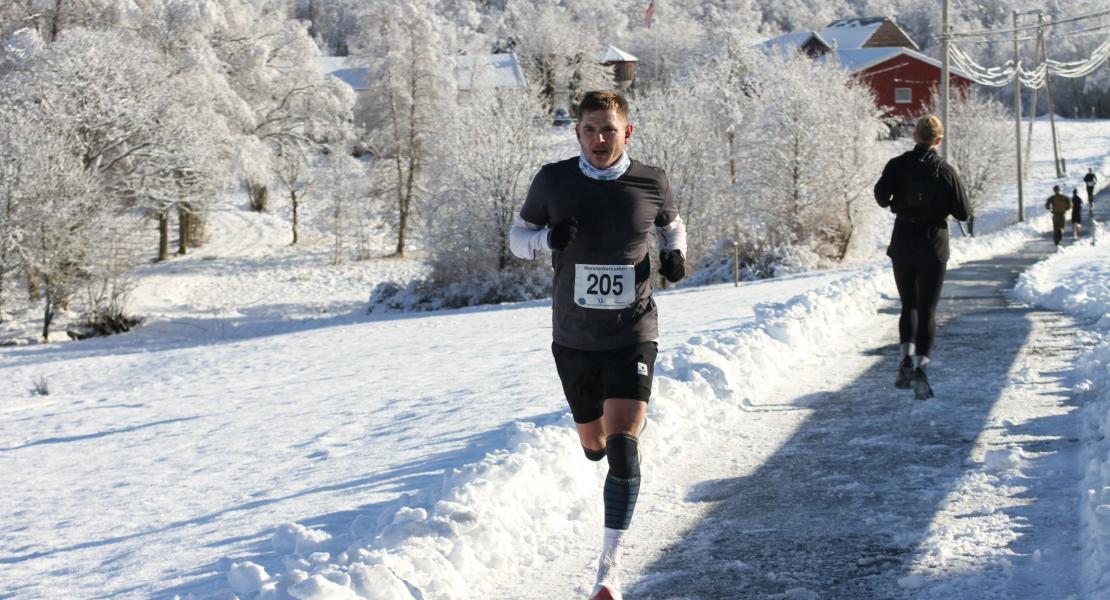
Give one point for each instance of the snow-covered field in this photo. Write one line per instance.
(1083, 144)
(240, 443)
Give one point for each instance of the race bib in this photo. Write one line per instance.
(608, 287)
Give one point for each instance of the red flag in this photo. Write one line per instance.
(648, 13)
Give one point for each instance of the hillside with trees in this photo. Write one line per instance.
(122, 123)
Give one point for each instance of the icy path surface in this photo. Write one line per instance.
(868, 493)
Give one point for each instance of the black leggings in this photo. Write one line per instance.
(919, 280)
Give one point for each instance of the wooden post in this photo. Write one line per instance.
(1051, 110)
(1017, 120)
(735, 263)
(1033, 105)
(184, 227)
(163, 234)
(946, 29)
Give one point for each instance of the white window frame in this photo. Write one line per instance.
(908, 98)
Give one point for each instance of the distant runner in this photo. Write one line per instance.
(1076, 213)
(1090, 179)
(922, 190)
(593, 213)
(1059, 204)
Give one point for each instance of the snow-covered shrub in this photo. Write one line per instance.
(109, 282)
(513, 284)
(979, 127)
(756, 262)
(40, 387)
(348, 208)
(807, 153)
(493, 153)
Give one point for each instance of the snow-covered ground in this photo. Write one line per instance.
(1077, 281)
(1083, 144)
(241, 443)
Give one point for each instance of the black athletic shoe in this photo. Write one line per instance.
(920, 385)
(905, 374)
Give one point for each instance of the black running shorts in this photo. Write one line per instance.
(591, 376)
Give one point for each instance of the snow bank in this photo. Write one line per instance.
(1004, 241)
(1077, 280)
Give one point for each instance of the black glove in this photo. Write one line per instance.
(562, 234)
(672, 265)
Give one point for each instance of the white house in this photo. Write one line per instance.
(493, 70)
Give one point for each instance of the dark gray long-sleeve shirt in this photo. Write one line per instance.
(602, 280)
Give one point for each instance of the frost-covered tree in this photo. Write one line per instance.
(330, 23)
(585, 74)
(807, 152)
(552, 43)
(493, 152)
(675, 45)
(292, 165)
(679, 128)
(11, 199)
(270, 65)
(111, 107)
(979, 126)
(133, 120)
(56, 227)
(344, 190)
(49, 18)
(409, 52)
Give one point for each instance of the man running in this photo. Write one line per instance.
(593, 213)
(1059, 204)
(1076, 213)
(922, 190)
(1090, 180)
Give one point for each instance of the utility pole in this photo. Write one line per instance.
(1017, 119)
(1048, 94)
(1033, 106)
(946, 27)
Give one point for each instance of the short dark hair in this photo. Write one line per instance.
(1056, 188)
(603, 100)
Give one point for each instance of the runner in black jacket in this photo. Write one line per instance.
(923, 191)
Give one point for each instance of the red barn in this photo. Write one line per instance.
(879, 53)
(902, 79)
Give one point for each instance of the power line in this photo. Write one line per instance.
(1086, 31)
(1028, 38)
(985, 32)
(998, 41)
(1036, 77)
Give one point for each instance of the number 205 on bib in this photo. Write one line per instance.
(604, 286)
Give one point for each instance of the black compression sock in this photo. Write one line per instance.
(594, 455)
(622, 485)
